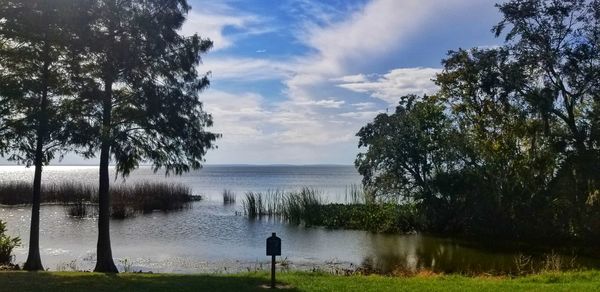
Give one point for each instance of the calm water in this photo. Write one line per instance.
(211, 237)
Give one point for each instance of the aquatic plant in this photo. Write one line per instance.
(15, 193)
(359, 194)
(307, 207)
(228, 197)
(19, 193)
(303, 206)
(78, 209)
(147, 197)
(127, 201)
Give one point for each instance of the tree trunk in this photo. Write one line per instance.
(105, 261)
(34, 261)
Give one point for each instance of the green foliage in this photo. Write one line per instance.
(511, 139)
(140, 85)
(305, 207)
(35, 83)
(388, 218)
(7, 244)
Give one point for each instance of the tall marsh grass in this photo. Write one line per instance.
(127, 200)
(147, 197)
(228, 197)
(295, 207)
(358, 194)
(307, 207)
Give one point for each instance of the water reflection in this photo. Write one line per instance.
(412, 253)
(210, 237)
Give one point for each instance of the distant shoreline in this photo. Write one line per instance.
(230, 165)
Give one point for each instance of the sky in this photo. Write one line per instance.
(293, 81)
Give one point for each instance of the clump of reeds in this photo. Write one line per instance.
(19, 193)
(257, 204)
(68, 192)
(15, 193)
(303, 206)
(147, 197)
(252, 204)
(295, 207)
(127, 200)
(228, 197)
(78, 209)
(358, 194)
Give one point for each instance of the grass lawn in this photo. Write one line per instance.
(295, 281)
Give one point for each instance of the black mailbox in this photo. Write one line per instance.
(273, 245)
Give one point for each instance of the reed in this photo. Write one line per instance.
(79, 209)
(147, 197)
(127, 200)
(15, 193)
(294, 207)
(19, 193)
(359, 194)
(228, 197)
(306, 207)
(302, 207)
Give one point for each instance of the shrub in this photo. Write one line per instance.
(7, 244)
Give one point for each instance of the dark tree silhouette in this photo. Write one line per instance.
(34, 89)
(523, 149)
(141, 88)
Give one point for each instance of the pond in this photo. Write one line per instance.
(212, 237)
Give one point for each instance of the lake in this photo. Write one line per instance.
(212, 237)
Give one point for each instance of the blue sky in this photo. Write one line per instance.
(294, 80)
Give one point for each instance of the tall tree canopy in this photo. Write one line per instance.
(523, 153)
(141, 84)
(35, 89)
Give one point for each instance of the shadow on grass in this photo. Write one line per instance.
(42, 281)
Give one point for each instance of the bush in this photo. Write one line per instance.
(7, 244)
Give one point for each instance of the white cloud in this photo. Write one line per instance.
(308, 123)
(211, 19)
(396, 83)
(363, 105)
(245, 69)
(325, 103)
(351, 78)
(361, 115)
(237, 116)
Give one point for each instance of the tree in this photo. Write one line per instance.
(523, 153)
(34, 87)
(557, 43)
(141, 88)
(405, 149)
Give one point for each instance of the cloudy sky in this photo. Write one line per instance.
(294, 80)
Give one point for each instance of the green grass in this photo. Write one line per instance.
(295, 281)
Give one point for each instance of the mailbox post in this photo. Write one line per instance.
(273, 250)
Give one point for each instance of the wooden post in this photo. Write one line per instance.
(273, 272)
(273, 250)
